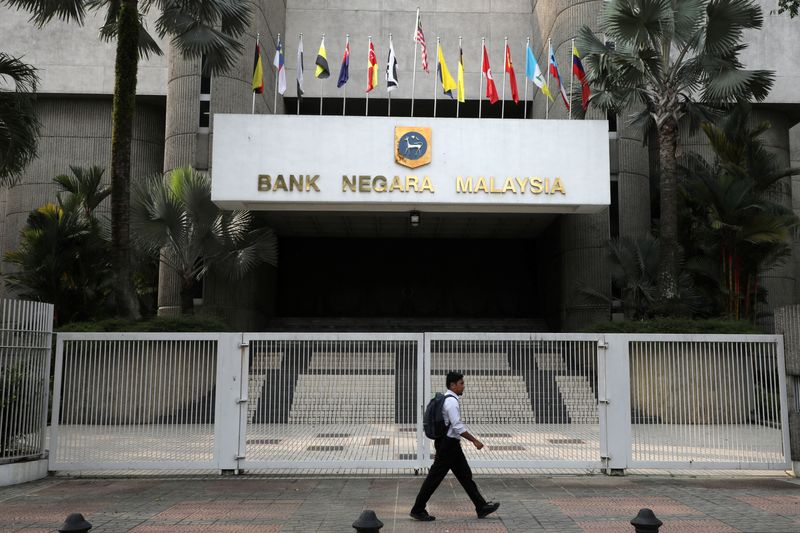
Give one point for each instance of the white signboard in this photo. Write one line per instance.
(330, 163)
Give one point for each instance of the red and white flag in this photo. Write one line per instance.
(372, 68)
(491, 89)
(420, 38)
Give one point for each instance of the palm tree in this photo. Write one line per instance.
(200, 28)
(175, 216)
(85, 184)
(672, 59)
(19, 127)
(732, 221)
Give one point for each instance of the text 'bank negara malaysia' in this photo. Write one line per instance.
(274, 162)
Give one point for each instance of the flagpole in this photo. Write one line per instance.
(547, 104)
(300, 67)
(253, 109)
(389, 110)
(505, 64)
(480, 86)
(322, 93)
(460, 66)
(414, 75)
(571, 76)
(369, 47)
(344, 87)
(435, 82)
(277, 73)
(527, 46)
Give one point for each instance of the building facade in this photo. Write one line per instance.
(371, 268)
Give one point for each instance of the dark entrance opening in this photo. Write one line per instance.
(401, 284)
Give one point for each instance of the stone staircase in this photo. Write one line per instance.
(343, 399)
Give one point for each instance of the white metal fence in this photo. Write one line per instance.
(355, 401)
(25, 344)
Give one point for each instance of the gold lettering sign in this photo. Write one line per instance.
(412, 146)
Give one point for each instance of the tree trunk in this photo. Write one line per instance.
(670, 248)
(126, 68)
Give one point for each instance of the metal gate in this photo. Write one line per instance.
(232, 401)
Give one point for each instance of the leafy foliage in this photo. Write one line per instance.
(671, 60)
(789, 6)
(175, 216)
(187, 323)
(676, 325)
(733, 229)
(63, 257)
(19, 127)
(19, 391)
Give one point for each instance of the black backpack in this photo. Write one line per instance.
(433, 422)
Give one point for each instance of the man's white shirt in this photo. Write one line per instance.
(452, 416)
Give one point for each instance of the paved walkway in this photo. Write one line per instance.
(564, 503)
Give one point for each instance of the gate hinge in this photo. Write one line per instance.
(242, 400)
(605, 457)
(606, 401)
(602, 345)
(244, 345)
(238, 457)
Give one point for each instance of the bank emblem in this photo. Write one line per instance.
(412, 146)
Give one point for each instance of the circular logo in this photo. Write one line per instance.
(412, 145)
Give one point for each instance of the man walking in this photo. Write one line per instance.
(449, 456)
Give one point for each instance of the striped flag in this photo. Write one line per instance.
(534, 73)
(258, 71)
(391, 70)
(580, 73)
(322, 72)
(420, 38)
(300, 90)
(279, 64)
(554, 71)
(344, 71)
(462, 95)
(372, 68)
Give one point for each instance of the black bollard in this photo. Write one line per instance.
(368, 522)
(75, 523)
(646, 521)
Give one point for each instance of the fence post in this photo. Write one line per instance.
(230, 390)
(615, 401)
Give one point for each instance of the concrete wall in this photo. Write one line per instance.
(73, 59)
(770, 49)
(77, 131)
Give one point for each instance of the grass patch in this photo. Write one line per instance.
(677, 325)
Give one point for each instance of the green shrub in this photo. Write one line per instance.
(198, 323)
(676, 325)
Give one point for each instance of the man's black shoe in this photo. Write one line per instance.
(488, 509)
(422, 517)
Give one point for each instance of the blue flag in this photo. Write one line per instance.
(344, 73)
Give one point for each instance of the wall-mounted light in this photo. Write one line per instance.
(414, 218)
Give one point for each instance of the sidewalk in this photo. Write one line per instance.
(568, 503)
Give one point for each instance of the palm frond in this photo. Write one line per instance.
(730, 85)
(726, 21)
(43, 12)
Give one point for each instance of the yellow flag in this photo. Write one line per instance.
(448, 83)
(322, 71)
(462, 95)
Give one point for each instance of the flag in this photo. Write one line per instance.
(448, 83)
(279, 64)
(420, 38)
(554, 71)
(462, 95)
(372, 68)
(322, 71)
(391, 70)
(344, 72)
(300, 69)
(258, 71)
(577, 69)
(534, 73)
(512, 77)
(491, 89)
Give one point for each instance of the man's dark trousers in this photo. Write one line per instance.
(449, 456)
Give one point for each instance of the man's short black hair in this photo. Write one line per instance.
(453, 377)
